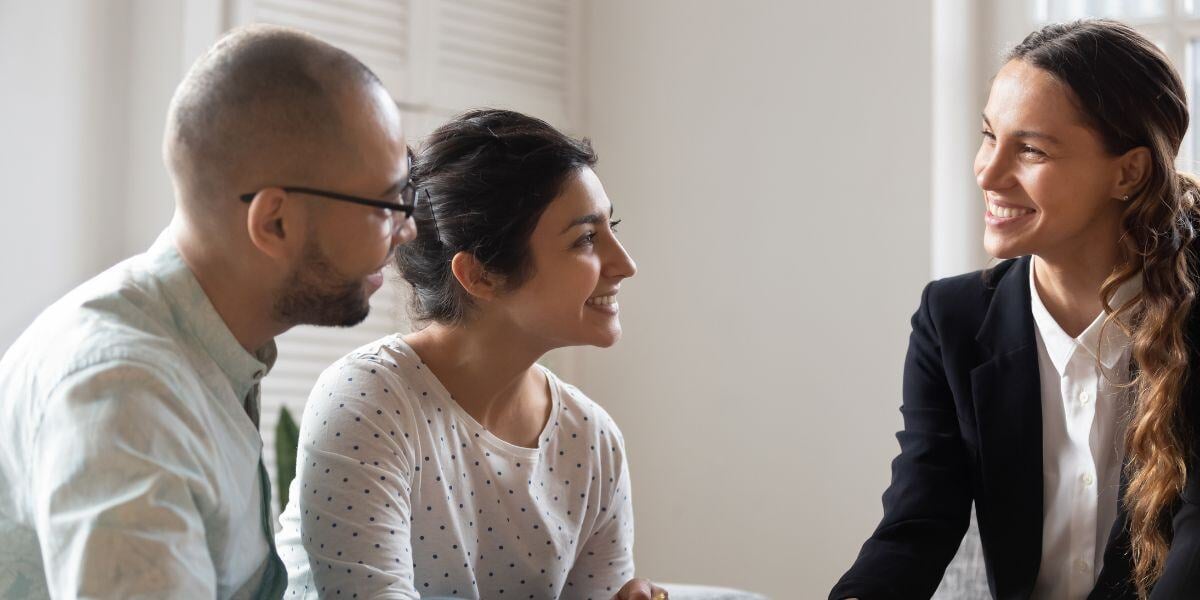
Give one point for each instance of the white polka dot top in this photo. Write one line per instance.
(399, 493)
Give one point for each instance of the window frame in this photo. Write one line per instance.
(1174, 31)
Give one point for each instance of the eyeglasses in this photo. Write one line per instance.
(405, 202)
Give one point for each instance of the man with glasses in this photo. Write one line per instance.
(130, 458)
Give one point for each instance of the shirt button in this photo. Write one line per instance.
(1085, 397)
(1087, 479)
(1082, 564)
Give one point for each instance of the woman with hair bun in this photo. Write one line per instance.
(1057, 391)
(447, 462)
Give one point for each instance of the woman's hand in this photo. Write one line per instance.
(640, 589)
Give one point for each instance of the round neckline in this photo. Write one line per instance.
(474, 427)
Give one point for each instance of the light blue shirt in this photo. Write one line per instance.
(130, 457)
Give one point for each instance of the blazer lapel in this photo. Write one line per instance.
(1116, 576)
(1115, 581)
(1006, 391)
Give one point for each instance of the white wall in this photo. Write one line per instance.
(156, 65)
(772, 163)
(85, 91)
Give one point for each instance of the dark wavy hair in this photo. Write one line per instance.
(1129, 93)
(485, 178)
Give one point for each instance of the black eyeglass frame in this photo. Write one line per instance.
(409, 190)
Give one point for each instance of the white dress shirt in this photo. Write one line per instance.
(129, 450)
(1084, 416)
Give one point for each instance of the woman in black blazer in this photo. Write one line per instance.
(1076, 164)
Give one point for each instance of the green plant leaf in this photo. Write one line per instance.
(287, 441)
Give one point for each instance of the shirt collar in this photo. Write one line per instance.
(197, 318)
(1106, 341)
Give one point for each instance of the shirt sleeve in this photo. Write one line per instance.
(355, 483)
(115, 477)
(605, 562)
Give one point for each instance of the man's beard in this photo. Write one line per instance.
(316, 294)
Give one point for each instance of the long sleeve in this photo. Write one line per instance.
(927, 506)
(354, 469)
(605, 562)
(1181, 572)
(115, 478)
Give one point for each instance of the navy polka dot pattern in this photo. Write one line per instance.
(399, 493)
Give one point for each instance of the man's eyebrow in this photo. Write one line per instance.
(1027, 133)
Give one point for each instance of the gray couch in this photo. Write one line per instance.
(965, 578)
(683, 592)
(679, 591)
(699, 592)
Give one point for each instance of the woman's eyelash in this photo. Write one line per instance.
(590, 237)
(1027, 149)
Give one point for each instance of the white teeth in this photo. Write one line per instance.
(1008, 213)
(602, 301)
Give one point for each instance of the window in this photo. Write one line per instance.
(1172, 24)
(1130, 10)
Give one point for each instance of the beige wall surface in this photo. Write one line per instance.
(772, 163)
(85, 91)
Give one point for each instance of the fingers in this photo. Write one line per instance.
(641, 589)
(634, 589)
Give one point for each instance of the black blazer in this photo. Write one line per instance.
(973, 432)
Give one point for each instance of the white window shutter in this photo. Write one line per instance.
(518, 54)
(377, 32)
(446, 56)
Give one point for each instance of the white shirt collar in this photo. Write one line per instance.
(1106, 342)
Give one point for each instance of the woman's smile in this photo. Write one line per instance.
(605, 304)
(1003, 214)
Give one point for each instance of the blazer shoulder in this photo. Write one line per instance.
(962, 301)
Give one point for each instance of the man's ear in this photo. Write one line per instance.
(273, 223)
(474, 277)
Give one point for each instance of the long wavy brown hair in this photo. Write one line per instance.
(1130, 94)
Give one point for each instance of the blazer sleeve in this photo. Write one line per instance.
(927, 506)
(1181, 571)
